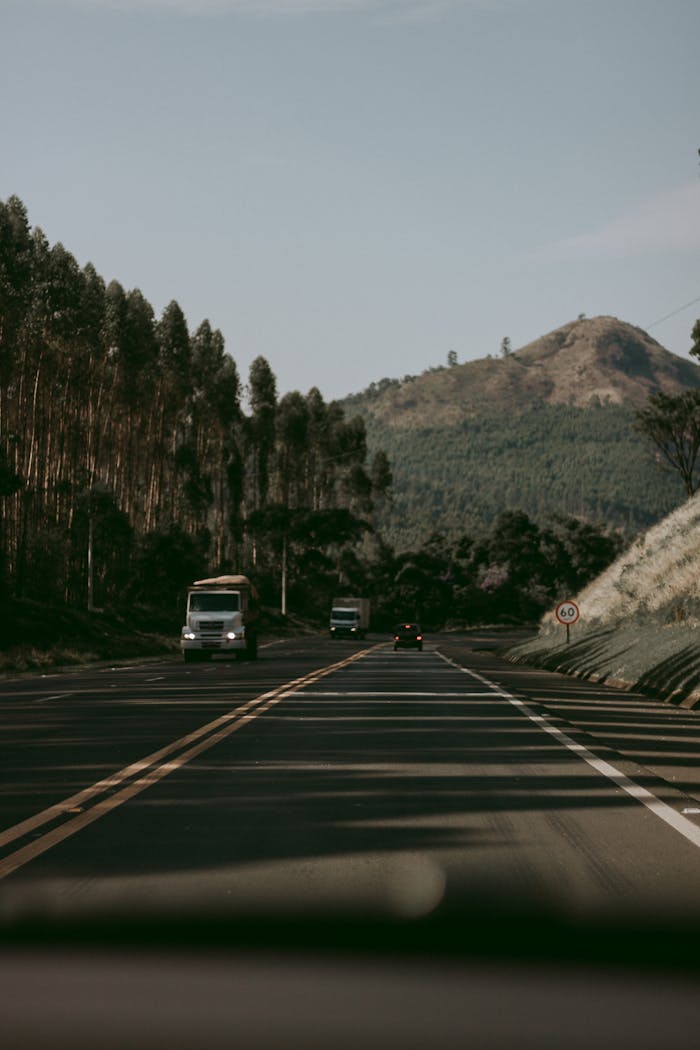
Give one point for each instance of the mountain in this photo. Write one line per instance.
(592, 359)
(547, 429)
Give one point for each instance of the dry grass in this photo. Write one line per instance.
(591, 359)
(640, 619)
(655, 580)
(29, 658)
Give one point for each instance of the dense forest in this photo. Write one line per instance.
(589, 463)
(128, 463)
(134, 459)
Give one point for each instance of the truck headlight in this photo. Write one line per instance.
(231, 636)
(189, 636)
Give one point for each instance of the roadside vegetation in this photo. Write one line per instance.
(655, 580)
(42, 637)
(640, 618)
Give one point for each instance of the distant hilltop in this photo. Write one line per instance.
(547, 429)
(590, 360)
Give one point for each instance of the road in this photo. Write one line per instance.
(404, 850)
(349, 777)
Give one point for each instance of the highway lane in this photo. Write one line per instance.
(62, 732)
(398, 784)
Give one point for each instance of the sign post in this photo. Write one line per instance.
(567, 613)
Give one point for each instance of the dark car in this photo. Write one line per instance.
(408, 635)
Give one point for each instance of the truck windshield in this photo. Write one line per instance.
(214, 602)
(344, 614)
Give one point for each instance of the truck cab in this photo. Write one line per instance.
(221, 617)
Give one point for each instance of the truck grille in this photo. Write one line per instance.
(211, 625)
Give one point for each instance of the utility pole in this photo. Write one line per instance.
(284, 574)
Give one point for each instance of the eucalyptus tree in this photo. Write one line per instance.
(214, 438)
(137, 389)
(16, 265)
(352, 484)
(16, 258)
(53, 396)
(173, 399)
(262, 395)
(292, 449)
(317, 430)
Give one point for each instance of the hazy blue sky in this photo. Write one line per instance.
(353, 188)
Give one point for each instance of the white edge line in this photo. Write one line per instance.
(670, 816)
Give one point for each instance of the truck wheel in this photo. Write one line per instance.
(189, 656)
(251, 649)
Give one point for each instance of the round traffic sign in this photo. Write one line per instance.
(567, 612)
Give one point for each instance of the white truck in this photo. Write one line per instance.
(349, 617)
(222, 615)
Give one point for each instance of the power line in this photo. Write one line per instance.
(674, 312)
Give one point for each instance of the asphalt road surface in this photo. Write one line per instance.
(344, 779)
(348, 775)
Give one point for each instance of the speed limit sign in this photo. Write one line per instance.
(567, 613)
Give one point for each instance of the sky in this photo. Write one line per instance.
(355, 188)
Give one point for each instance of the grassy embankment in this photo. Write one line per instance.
(38, 637)
(640, 619)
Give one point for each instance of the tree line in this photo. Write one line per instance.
(129, 460)
(510, 572)
(134, 459)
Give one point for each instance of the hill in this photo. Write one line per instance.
(547, 428)
(598, 359)
(640, 619)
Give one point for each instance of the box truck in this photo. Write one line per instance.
(349, 618)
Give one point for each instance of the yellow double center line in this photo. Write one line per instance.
(142, 774)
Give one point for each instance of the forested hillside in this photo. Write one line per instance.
(546, 429)
(589, 463)
(129, 462)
